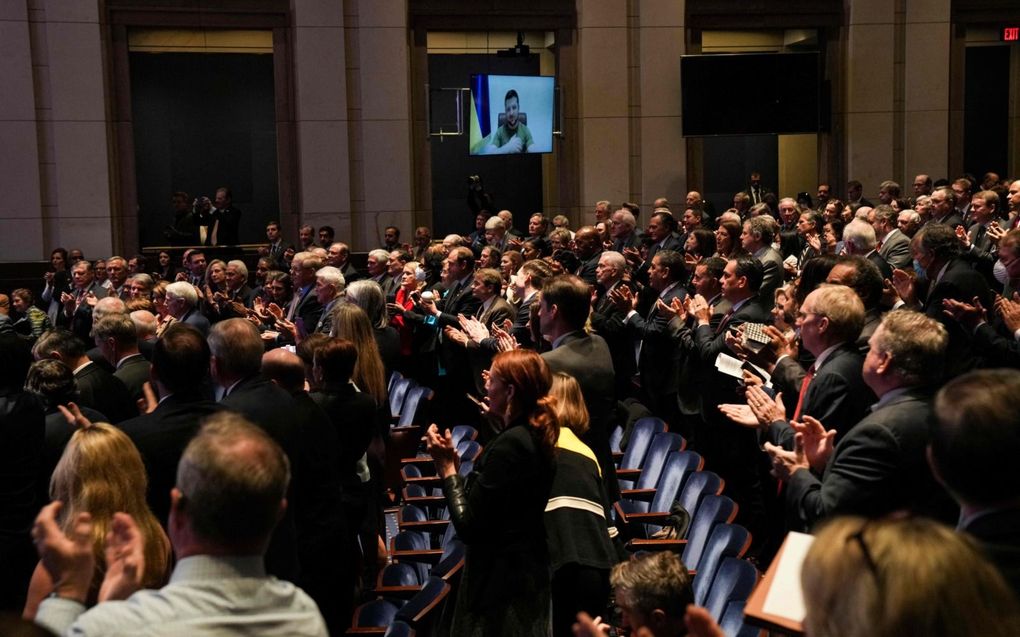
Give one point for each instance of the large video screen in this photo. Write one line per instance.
(750, 93)
(511, 114)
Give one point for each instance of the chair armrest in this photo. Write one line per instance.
(656, 545)
(617, 457)
(425, 481)
(645, 495)
(428, 526)
(403, 592)
(430, 556)
(417, 460)
(650, 517)
(628, 474)
(367, 630)
(426, 500)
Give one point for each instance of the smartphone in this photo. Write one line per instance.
(479, 403)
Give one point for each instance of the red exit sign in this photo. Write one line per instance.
(1011, 34)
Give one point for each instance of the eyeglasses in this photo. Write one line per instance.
(869, 560)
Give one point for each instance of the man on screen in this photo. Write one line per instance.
(513, 136)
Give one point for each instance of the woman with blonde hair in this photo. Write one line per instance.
(101, 473)
(577, 518)
(902, 576)
(352, 323)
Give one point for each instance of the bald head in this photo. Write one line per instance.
(106, 306)
(285, 369)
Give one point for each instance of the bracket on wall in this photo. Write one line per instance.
(459, 100)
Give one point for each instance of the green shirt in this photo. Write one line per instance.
(504, 134)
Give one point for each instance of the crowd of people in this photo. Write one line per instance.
(826, 357)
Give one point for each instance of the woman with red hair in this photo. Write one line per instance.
(498, 509)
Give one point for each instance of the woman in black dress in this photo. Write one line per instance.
(498, 509)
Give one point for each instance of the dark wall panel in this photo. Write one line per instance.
(729, 162)
(986, 110)
(202, 121)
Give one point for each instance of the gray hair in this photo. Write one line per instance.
(860, 236)
(367, 295)
(184, 291)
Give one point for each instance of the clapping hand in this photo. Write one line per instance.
(125, 559)
(455, 336)
(444, 454)
(68, 559)
(275, 311)
(1009, 311)
(903, 282)
(622, 299)
(969, 315)
(817, 442)
(700, 309)
(475, 329)
(505, 341)
(766, 409)
(786, 463)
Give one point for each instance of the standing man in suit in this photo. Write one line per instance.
(378, 266)
(756, 239)
(455, 372)
(660, 229)
(588, 248)
(339, 256)
(493, 309)
(117, 340)
(893, 245)
(975, 441)
(182, 304)
(329, 287)
(223, 221)
(655, 338)
(879, 466)
(304, 305)
(936, 249)
(76, 314)
(730, 450)
(563, 311)
(943, 208)
(97, 388)
(859, 239)
(235, 363)
(608, 321)
(978, 249)
(117, 274)
(855, 193)
(180, 378)
(496, 233)
(276, 247)
(623, 230)
(756, 190)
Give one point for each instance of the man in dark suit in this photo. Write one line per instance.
(493, 309)
(943, 208)
(182, 304)
(859, 239)
(608, 321)
(978, 249)
(756, 239)
(97, 388)
(305, 305)
(623, 230)
(588, 248)
(562, 313)
(235, 362)
(729, 449)
(832, 389)
(863, 277)
(236, 291)
(936, 248)
(317, 492)
(117, 340)
(660, 229)
(339, 256)
(222, 223)
(458, 274)
(879, 466)
(76, 314)
(180, 379)
(975, 441)
(655, 337)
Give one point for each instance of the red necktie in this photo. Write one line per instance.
(723, 322)
(803, 391)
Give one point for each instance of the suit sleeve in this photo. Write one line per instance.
(859, 474)
(998, 350)
(898, 255)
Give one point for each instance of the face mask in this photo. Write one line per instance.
(921, 274)
(999, 272)
(420, 274)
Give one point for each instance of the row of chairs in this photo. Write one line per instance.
(671, 480)
(425, 555)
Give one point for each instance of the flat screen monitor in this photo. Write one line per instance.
(511, 114)
(750, 93)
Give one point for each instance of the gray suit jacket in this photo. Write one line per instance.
(772, 260)
(896, 249)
